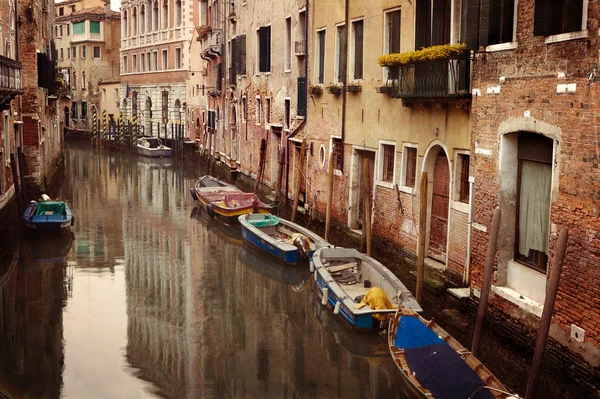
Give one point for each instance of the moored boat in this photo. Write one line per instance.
(48, 216)
(281, 238)
(152, 147)
(359, 288)
(436, 366)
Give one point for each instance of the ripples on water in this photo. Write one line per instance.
(148, 298)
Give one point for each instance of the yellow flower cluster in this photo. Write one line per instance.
(432, 53)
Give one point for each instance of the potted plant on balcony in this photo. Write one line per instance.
(433, 53)
(334, 89)
(316, 90)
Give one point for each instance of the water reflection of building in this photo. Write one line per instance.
(31, 299)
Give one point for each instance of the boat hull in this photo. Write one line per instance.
(291, 256)
(154, 152)
(47, 224)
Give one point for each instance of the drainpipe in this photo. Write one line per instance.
(287, 144)
(345, 79)
(466, 274)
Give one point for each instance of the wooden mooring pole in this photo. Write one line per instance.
(329, 197)
(421, 238)
(542, 338)
(280, 177)
(261, 164)
(298, 179)
(486, 285)
(367, 204)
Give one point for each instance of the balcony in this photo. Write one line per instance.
(300, 48)
(440, 79)
(10, 81)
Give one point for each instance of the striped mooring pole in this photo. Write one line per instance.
(134, 123)
(94, 125)
(104, 124)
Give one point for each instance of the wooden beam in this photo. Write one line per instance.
(297, 179)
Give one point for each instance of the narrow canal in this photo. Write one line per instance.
(148, 298)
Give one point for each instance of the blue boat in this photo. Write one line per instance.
(279, 237)
(360, 290)
(48, 216)
(436, 366)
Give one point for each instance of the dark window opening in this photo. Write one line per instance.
(389, 159)
(264, 50)
(321, 74)
(358, 28)
(410, 156)
(553, 17)
(463, 183)
(337, 153)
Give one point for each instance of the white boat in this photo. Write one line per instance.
(152, 147)
(345, 277)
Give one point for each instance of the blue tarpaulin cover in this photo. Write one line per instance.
(435, 364)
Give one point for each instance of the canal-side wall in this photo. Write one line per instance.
(10, 224)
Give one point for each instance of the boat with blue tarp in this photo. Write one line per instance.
(279, 237)
(359, 288)
(434, 365)
(47, 216)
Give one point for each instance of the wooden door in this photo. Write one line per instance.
(439, 208)
(362, 189)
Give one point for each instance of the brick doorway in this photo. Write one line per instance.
(440, 197)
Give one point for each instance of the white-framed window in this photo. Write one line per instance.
(164, 60)
(356, 49)
(408, 175)
(178, 58)
(386, 168)
(96, 52)
(287, 46)
(83, 51)
(340, 53)
(336, 149)
(320, 46)
(391, 42)
(560, 19)
(258, 116)
(165, 14)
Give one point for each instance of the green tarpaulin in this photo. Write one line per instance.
(51, 208)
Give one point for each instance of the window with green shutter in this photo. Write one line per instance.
(78, 28)
(94, 27)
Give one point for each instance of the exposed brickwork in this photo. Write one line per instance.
(531, 75)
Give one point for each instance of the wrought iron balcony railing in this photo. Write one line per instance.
(449, 78)
(10, 81)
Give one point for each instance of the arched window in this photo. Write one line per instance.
(134, 22)
(165, 14)
(142, 19)
(125, 24)
(155, 16)
(177, 12)
(177, 110)
(149, 16)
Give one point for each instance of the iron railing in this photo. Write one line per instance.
(449, 78)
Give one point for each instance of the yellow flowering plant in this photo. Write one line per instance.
(433, 53)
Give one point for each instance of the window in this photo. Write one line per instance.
(301, 33)
(462, 187)
(68, 29)
(177, 58)
(287, 114)
(387, 162)
(320, 57)
(553, 17)
(83, 51)
(74, 52)
(164, 60)
(336, 149)
(142, 62)
(340, 53)
(83, 81)
(244, 109)
(155, 16)
(432, 22)
(203, 13)
(268, 110)
(534, 181)
(134, 63)
(61, 30)
(95, 27)
(96, 51)
(392, 40)
(61, 11)
(61, 54)
(74, 110)
(83, 109)
(69, 52)
(409, 165)
(264, 49)
(258, 110)
(240, 55)
(154, 60)
(357, 50)
(134, 22)
(165, 14)
(78, 28)
(125, 64)
(143, 19)
(165, 106)
(74, 79)
(287, 48)
(500, 17)
(177, 12)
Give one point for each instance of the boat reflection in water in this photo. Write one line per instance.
(51, 248)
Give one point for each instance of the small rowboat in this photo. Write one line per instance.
(436, 366)
(279, 237)
(349, 281)
(48, 217)
(153, 147)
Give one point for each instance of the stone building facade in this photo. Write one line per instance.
(534, 140)
(155, 63)
(87, 42)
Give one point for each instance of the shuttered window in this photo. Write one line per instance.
(94, 27)
(79, 27)
(389, 160)
(497, 18)
(553, 17)
(264, 49)
(240, 55)
(392, 36)
(432, 23)
(341, 53)
(301, 111)
(357, 30)
(234, 64)
(410, 166)
(321, 56)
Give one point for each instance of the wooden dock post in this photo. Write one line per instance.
(280, 177)
(261, 164)
(421, 238)
(488, 271)
(297, 179)
(367, 204)
(329, 197)
(551, 290)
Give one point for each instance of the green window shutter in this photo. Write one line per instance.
(94, 27)
(78, 28)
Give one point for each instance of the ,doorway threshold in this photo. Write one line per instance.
(460, 293)
(357, 231)
(435, 264)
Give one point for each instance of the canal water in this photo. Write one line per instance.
(149, 298)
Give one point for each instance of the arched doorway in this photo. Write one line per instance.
(437, 166)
